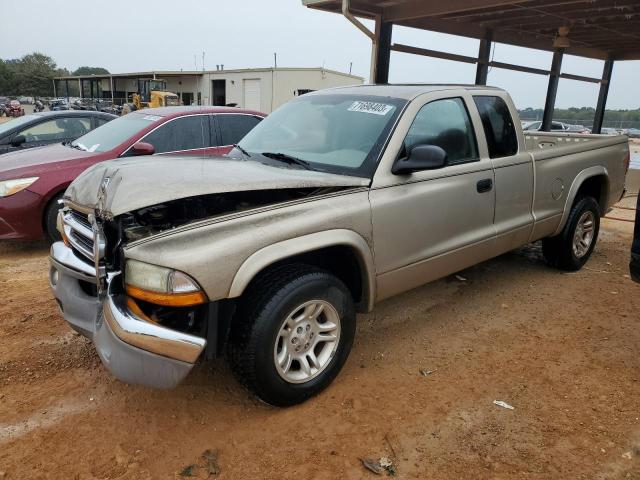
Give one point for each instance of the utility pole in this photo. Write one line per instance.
(350, 67)
(275, 60)
(203, 60)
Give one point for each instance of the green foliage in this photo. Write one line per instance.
(30, 75)
(91, 71)
(6, 78)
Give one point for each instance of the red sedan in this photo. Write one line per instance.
(32, 181)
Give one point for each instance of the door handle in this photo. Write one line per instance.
(485, 185)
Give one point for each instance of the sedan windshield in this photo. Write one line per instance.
(330, 132)
(113, 133)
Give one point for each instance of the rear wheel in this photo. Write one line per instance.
(572, 248)
(292, 334)
(51, 218)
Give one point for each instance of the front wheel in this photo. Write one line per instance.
(292, 334)
(572, 248)
(51, 218)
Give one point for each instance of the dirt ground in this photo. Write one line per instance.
(418, 388)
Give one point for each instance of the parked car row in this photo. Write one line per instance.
(33, 180)
(567, 127)
(11, 108)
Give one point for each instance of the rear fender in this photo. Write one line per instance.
(590, 172)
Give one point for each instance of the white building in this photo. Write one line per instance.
(262, 89)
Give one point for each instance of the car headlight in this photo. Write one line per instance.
(161, 286)
(9, 187)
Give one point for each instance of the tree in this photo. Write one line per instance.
(30, 75)
(7, 79)
(91, 71)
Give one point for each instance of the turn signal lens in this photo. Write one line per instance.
(60, 228)
(162, 286)
(167, 299)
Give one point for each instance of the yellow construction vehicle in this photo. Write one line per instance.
(151, 93)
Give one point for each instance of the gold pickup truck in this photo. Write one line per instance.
(339, 199)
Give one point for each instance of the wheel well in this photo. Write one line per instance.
(596, 187)
(340, 260)
(46, 207)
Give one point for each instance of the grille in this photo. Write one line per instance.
(81, 218)
(80, 234)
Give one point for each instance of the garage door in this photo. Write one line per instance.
(252, 95)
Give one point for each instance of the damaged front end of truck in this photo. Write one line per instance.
(150, 321)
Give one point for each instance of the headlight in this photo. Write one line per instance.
(160, 285)
(9, 187)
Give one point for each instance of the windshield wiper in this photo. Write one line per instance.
(235, 145)
(288, 159)
(78, 146)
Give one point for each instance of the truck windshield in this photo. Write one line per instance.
(113, 133)
(335, 133)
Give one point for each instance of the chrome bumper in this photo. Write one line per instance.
(134, 349)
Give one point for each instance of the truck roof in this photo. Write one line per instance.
(405, 90)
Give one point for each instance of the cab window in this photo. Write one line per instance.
(446, 124)
(498, 126)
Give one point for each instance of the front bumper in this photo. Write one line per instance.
(134, 349)
(21, 216)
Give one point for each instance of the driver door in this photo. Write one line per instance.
(432, 223)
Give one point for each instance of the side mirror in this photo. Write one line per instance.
(421, 157)
(18, 140)
(143, 148)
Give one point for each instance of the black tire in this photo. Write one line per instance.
(50, 218)
(258, 321)
(559, 251)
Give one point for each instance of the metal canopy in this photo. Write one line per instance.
(608, 30)
(601, 29)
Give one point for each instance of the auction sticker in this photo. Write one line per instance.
(370, 107)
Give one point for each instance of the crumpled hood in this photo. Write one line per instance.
(119, 186)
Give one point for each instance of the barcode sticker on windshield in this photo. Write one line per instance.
(370, 107)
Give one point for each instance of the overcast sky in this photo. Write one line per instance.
(125, 35)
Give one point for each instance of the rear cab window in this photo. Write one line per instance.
(499, 129)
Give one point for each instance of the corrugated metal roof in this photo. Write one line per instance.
(160, 74)
(600, 29)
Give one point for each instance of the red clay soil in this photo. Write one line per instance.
(418, 388)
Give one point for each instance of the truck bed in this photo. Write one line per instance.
(536, 141)
(562, 161)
